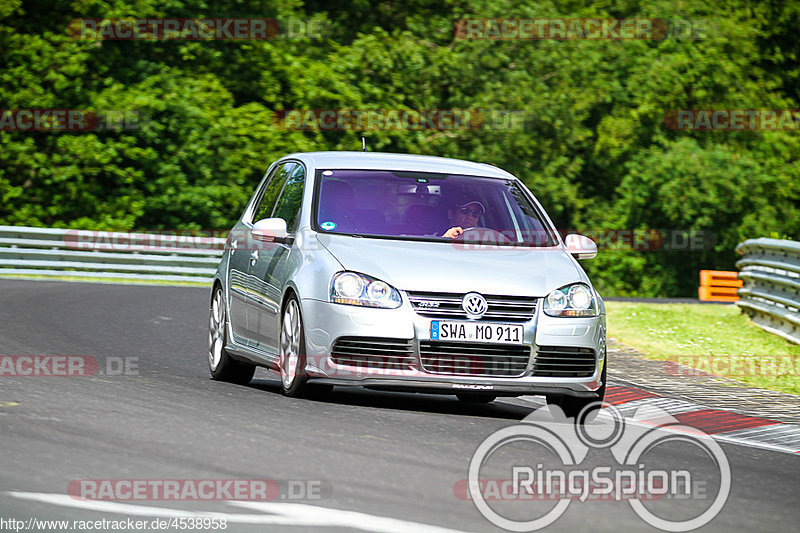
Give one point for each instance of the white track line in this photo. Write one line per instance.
(287, 514)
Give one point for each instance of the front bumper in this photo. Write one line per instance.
(326, 322)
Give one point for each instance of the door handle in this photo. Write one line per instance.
(234, 246)
(253, 257)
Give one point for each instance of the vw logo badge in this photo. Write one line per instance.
(474, 305)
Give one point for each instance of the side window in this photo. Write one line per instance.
(288, 207)
(267, 201)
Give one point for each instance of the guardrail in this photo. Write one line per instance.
(26, 251)
(770, 270)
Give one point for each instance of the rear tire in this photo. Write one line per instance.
(573, 406)
(220, 364)
(476, 398)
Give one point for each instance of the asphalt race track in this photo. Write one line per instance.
(355, 460)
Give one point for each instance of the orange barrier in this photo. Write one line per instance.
(718, 286)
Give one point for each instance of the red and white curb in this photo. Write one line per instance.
(722, 425)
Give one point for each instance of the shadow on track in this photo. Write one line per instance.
(404, 401)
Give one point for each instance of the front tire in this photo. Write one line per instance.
(220, 364)
(293, 350)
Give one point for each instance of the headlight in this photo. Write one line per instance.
(572, 300)
(357, 289)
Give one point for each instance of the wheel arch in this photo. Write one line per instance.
(216, 283)
(290, 291)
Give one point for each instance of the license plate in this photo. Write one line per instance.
(445, 330)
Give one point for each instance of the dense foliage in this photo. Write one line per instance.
(594, 147)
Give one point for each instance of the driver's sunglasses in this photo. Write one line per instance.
(474, 212)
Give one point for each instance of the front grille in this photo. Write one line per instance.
(474, 359)
(564, 362)
(373, 352)
(448, 306)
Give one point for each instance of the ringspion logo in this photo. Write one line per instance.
(541, 460)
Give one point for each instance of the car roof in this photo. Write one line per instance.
(388, 161)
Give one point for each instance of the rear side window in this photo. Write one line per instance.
(267, 202)
(288, 207)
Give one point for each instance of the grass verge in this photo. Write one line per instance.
(715, 339)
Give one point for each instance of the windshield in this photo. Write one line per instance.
(427, 206)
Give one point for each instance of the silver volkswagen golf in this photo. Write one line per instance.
(407, 273)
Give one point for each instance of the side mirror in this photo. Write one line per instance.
(270, 230)
(580, 247)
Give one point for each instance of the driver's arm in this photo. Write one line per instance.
(452, 233)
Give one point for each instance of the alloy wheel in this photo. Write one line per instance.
(291, 331)
(216, 330)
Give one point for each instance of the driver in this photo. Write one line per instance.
(463, 217)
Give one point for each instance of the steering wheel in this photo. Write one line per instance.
(486, 233)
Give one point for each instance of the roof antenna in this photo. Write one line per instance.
(364, 143)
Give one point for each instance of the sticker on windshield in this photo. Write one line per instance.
(328, 225)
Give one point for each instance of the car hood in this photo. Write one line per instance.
(456, 267)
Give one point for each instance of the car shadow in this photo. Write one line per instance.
(501, 408)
